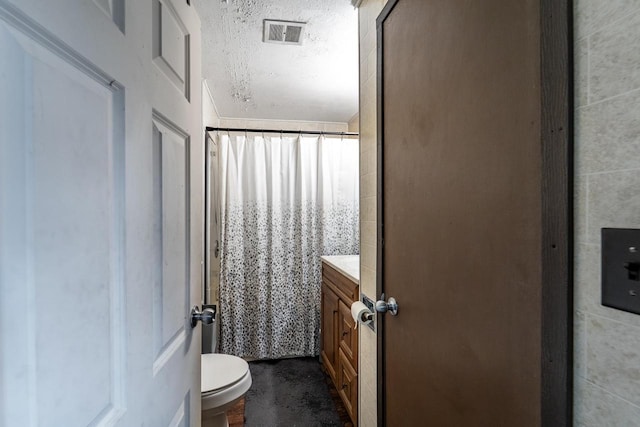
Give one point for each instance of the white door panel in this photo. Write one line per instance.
(171, 179)
(171, 44)
(66, 245)
(101, 229)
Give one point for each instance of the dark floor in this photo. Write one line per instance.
(290, 392)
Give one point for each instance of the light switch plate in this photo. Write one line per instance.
(621, 269)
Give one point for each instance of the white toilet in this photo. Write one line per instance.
(224, 380)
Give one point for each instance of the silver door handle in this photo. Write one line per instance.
(390, 305)
(206, 316)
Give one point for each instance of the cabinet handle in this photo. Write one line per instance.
(345, 333)
(344, 386)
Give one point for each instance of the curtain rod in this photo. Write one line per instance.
(306, 132)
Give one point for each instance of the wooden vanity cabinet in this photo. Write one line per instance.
(339, 338)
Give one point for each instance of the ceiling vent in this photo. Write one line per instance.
(283, 32)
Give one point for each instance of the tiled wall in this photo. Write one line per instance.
(607, 138)
(367, 366)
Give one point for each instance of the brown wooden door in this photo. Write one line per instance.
(468, 167)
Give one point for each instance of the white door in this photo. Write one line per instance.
(101, 172)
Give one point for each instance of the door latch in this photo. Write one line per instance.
(390, 305)
(206, 316)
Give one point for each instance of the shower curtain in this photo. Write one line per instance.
(285, 201)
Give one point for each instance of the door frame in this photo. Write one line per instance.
(556, 66)
(206, 282)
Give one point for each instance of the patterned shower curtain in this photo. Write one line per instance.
(285, 201)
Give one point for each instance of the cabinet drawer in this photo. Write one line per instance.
(347, 386)
(347, 334)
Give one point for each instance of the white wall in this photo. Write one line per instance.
(211, 118)
(354, 124)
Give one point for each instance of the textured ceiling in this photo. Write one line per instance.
(317, 81)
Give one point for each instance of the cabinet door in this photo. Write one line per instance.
(347, 384)
(347, 334)
(329, 330)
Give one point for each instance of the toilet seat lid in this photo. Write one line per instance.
(220, 371)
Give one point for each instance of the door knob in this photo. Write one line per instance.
(390, 306)
(206, 316)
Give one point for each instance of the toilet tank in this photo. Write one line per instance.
(210, 332)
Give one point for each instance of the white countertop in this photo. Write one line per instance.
(349, 265)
